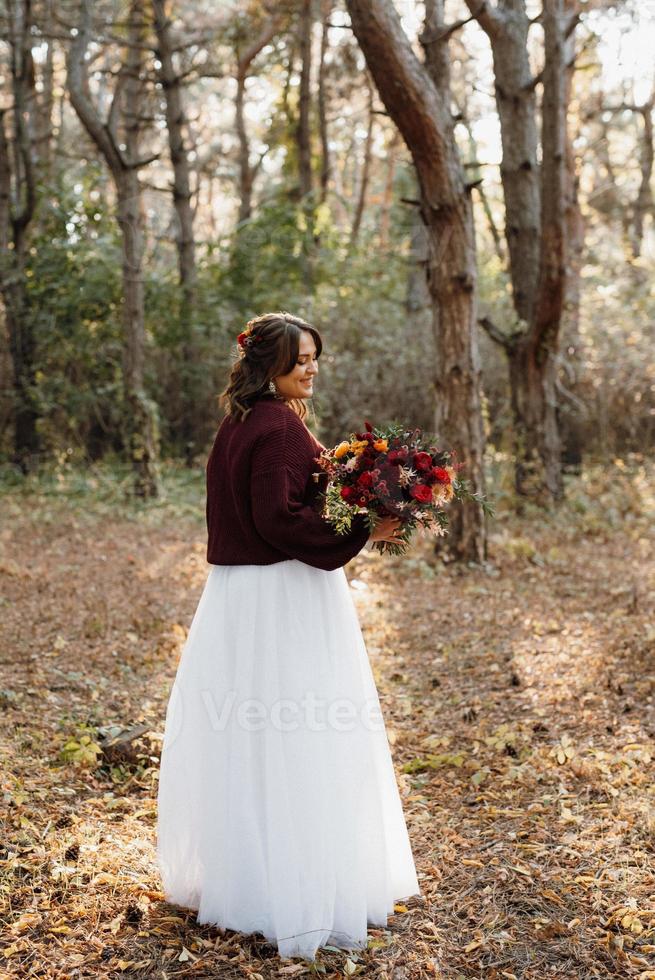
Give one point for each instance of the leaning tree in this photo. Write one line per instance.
(418, 101)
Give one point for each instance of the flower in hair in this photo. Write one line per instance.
(246, 338)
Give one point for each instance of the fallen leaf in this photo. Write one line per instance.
(25, 921)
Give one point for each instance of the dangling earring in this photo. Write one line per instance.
(271, 387)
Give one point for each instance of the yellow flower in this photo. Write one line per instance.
(380, 445)
(341, 449)
(358, 446)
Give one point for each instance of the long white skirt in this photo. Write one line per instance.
(278, 807)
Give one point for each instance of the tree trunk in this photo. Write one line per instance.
(141, 420)
(570, 359)
(507, 29)
(365, 172)
(542, 458)
(387, 194)
(139, 412)
(421, 112)
(22, 347)
(643, 204)
(245, 58)
(417, 297)
(575, 224)
(536, 436)
(17, 209)
(475, 179)
(44, 105)
(303, 132)
(245, 171)
(184, 238)
(326, 6)
(535, 226)
(532, 353)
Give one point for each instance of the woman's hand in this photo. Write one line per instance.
(386, 530)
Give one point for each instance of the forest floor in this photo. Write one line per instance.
(518, 700)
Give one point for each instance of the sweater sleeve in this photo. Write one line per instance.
(278, 479)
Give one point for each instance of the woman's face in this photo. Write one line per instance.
(299, 382)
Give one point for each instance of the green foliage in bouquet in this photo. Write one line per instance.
(393, 471)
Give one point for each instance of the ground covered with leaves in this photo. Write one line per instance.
(518, 699)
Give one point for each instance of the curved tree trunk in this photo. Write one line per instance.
(421, 111)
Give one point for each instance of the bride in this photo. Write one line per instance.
(278, 807)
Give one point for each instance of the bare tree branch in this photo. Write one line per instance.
(78, 86)
(497, 335)
(490, 19)
(267, 33)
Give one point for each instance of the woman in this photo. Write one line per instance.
(278, 808)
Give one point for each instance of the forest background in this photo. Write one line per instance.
(459, 196)
(169, 173)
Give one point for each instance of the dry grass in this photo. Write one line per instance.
(518, 700)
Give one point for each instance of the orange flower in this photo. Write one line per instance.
(442, 493)
(341, 449)
(381, 445)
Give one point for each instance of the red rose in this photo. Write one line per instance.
(365, 479)
(421, 492)
(422, 461)
(440, 474)
(348, 493)
(397, 456)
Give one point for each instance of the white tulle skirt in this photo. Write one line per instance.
(278, 807)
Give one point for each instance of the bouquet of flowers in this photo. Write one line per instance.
(391, 471)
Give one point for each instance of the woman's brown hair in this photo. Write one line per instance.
(273, 351)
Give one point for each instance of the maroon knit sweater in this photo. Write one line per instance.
(262, 499)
